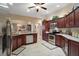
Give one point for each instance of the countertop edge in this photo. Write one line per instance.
(69, 37)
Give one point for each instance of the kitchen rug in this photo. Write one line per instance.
(18, 51)
(48, 45)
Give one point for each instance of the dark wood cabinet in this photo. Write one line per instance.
(14, 43)
(61, 22)
(73, 48)
(67, 21)
(72, 19)
(34, 38)
(20, 40)
(46, 25)
(62, 42)
(77, 17)
(45, 36)
(58, 40)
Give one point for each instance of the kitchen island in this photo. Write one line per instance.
(23, 39)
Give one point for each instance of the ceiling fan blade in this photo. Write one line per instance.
(37, 10)
(44, 8)
(42, 3)
(36, 3)
(31, 7)
(39, 3)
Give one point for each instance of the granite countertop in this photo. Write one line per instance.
(24, 34)
(69, 37)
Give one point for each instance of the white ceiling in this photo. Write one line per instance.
(21, 9)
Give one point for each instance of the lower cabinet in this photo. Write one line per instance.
(35, 38)
(14, 43)
(45, 36)
(73, 48)
(20, 40)
(58, 40)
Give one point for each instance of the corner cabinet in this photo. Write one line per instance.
(73, 48)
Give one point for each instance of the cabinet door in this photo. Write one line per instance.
(47, 25)
(14, 43)
(73, 48)
(72, 19)
(35, 38)
(19, 41)
(58, 40)
(59, 23)
(67, 21)
(77, 17)
(23, 39)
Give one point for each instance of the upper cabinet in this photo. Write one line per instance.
(77, 17)
(67, 21)
(46, 25)
(61, 22)
(70, 20)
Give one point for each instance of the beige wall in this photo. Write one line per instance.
(62, 12)
(18, 19)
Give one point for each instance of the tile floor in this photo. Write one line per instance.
(38, 49)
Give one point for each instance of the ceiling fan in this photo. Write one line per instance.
(38, 6)
(5, 5)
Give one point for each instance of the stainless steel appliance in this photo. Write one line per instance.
(6, 40)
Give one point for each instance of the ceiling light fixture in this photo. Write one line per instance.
(28, 10)
(58, 6)
(37, 7)
(11, 3)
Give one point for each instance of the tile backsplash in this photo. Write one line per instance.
(74, 31)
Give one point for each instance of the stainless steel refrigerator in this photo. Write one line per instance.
(6, 39)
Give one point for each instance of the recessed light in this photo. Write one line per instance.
(58, 6)
(28, 10)
(11, 3)
(47, 12)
